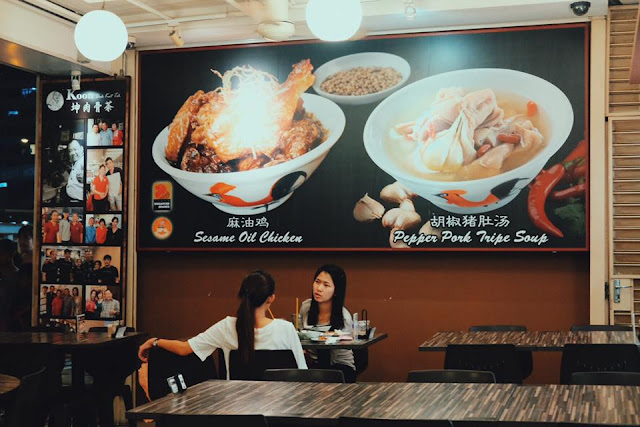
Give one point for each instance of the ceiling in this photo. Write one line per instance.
(210, 22)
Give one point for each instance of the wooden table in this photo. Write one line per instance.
(323, 404)
(343, 345)
(579, 404)
(528, 341)
(8, 385)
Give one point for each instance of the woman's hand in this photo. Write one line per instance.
(143, 350)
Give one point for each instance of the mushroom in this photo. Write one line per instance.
(367, 209)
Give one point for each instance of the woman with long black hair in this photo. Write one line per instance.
(250, 330)
(325, 311)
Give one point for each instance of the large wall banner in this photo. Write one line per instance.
(474, 140)
(82, 228)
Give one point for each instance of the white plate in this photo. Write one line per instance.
(366, 59)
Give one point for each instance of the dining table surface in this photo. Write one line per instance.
(344, 345)
(65, 340)
(530, 341)
(325, 403)
(8, 386)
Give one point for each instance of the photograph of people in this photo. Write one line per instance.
(90, 232)
(51, 294)
(250, 330)
(68, 303)
(108, 274)
(118, 135)
(115, 176)
(65, 228)
(75, 182)
(114, 234)
(51, 228)
(106, 135)
(76, 229)
(325, 311)
(101, 232)
(102, 302)
(51, 268)
(93, 136)
(99, 192)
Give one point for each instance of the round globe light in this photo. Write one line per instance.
(101, 36)
(334, 20)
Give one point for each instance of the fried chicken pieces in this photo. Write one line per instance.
(202, 137)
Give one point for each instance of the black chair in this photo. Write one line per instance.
(304, 375)
(372, 422)
(606, 378)
(598, 358)
(501, 359)
(262, 360)
(212, 420)
(30, 396)
(450, 376)
(164, 364)
(598, 328)
(526, 357)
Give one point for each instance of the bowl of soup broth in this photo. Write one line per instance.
(469, 140)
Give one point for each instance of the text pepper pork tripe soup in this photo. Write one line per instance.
(468, 135)
(250, 122)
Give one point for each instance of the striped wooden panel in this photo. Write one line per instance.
(536, 341)
(328, 402)
(587, 405)
(8, 384)
(623, 97)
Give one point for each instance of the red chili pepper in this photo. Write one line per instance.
(575, 191)
(538, 193)
(581, 150)
(511, 138)
(483, 150)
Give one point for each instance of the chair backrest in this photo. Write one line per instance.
(29, 398)
(598, 358)
(501, 359)
(214, 420)
(164, 364)
(450, 376)
(606, 378)
(498, 328)
(304, 375)
(371, 422)
(596, 328)
(262, 360)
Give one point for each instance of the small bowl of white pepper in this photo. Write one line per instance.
(361, 78)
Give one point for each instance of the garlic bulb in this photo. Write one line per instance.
(428, 229)
(367, 209)
(395, 193)
(400, 219)
(407, 205)
(399, 243)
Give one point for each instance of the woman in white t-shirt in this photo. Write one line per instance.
(325, 311)
(250, 330)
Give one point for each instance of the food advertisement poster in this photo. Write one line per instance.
(470, 140)
(81, 232)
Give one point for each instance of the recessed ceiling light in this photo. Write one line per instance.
(24, 140)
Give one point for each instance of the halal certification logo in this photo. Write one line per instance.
(55, 100)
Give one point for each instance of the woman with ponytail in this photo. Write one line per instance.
(325, 311)
(250, 330)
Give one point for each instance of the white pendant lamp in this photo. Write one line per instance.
(101, 36)
(334, 20)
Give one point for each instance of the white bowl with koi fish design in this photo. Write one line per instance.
(477, 195)
(260, 190)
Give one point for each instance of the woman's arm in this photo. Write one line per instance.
(181, 348)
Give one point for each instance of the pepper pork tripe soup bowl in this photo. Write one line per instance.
(469, 141)
(261, 189)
